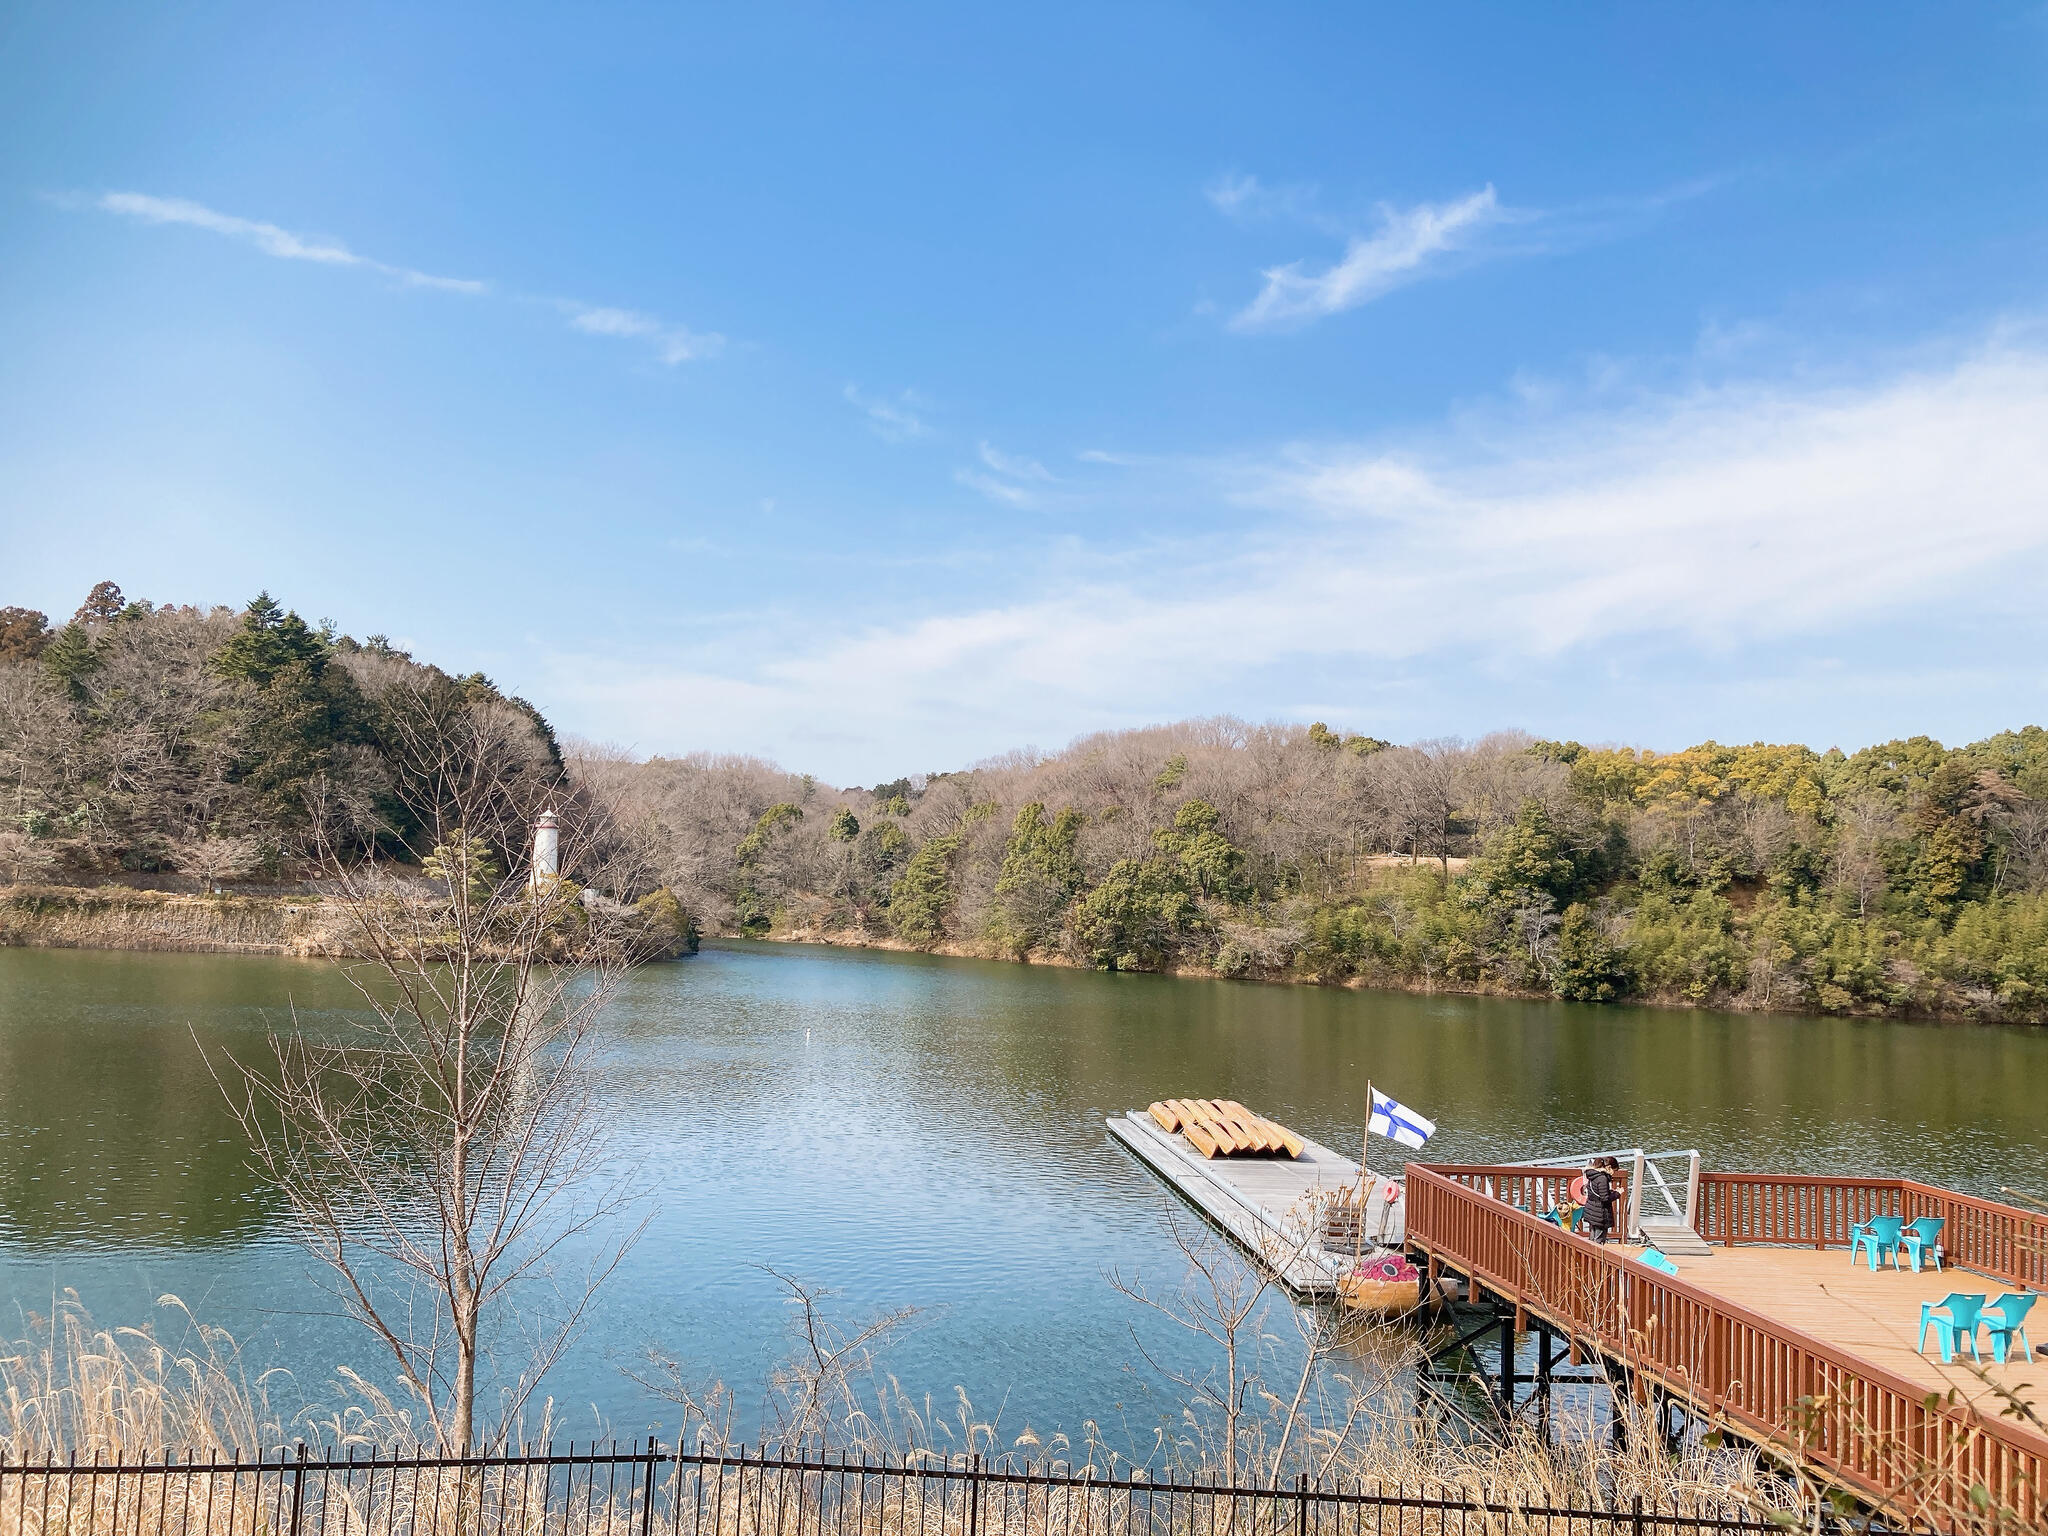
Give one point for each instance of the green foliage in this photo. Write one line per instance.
(1323, 739)
(1138, 918)
(766, 825)
(1525, 860)
(464, 863)
(845, 826)
(755, 909)
(2001, 947)
(668, 929)
(1170, 776)
(271, 641)
(1040, 875)
(1588, 967)
(1206, 859)
(69, 657)
(1686, 946)
(922, 898)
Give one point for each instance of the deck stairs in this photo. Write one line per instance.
(1664, 1194)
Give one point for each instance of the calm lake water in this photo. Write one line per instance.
(916, 1131)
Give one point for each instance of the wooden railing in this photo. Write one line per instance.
(2001, 1241)
(1887, 1438)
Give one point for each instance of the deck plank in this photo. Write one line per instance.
(1875, 1317)
(1270, 1205)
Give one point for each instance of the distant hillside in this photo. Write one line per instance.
(194, 748)
(141, 741)
(1903, 878)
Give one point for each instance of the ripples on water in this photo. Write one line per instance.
(914, 1131)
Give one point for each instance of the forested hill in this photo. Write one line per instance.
(1902, 878)
(173, 744)
(145, 741)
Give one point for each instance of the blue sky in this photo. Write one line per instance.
(880, 388)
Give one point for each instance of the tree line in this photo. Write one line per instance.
(214, 746)
(1904, 878)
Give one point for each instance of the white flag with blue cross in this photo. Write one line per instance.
(1397, 1122)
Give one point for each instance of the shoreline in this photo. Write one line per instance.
(846, 939)
(285, 925)
(302, 926)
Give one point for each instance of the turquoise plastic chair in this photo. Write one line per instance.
(1652, 1258)
(1880, 1234)
(2010, 1323)
(1922, 1237)
(1964, 1313)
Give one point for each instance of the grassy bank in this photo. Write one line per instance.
(296, 924)
(114, 917)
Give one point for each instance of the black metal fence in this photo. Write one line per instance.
(656, 1490)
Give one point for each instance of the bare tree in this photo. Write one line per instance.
(1429, 781)
(211, 860)
(1862, 827)
(445, 1153)
(1223, 1298)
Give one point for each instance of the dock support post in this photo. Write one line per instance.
(1507, 1362)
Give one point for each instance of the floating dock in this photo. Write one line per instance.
(1278, 1208)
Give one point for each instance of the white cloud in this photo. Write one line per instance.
(270, 239)
(1015, 467)
(1403, 250)
(1246, 197)
(894, 421)
(672, 343)
(992, 488)
(1770, 520)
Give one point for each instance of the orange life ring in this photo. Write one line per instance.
(1579, 1190)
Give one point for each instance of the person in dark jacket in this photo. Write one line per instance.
(1600, 1200)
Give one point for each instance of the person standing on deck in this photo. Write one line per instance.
(1600, 1200)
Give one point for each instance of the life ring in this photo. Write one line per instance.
(1579, 1190)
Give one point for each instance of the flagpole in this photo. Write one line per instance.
(1364, 1143)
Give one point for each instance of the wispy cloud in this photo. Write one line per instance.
(995, 490)
(271, 239)
(1754, 531)
(672, 343)
(894, 421)
(1405, 248)
(1241, 196)
(1013, 465)
(1004, 477)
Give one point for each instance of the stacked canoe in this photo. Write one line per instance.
(1224, 1128)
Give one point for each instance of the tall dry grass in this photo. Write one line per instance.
(74, 1392)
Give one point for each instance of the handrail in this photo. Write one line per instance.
(1886, 1437)
(2002, 1241)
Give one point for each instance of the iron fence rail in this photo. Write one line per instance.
(656, 1490)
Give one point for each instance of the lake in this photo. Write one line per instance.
(910, 1130)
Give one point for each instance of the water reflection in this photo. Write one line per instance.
(922, 1132)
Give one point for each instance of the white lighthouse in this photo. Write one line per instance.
(547, 851)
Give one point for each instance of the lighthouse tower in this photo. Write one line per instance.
(547, 851)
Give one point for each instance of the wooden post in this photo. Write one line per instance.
(1692, 1193)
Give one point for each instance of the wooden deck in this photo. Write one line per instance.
(1270, 1206)
(1774, 1334)
(1875, 1317)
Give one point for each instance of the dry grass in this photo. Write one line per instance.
(71, 1391)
